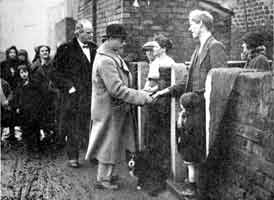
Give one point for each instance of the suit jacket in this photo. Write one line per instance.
(112, 95)
(72, 67)
(212, 56)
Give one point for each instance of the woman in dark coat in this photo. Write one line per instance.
(41, 70)
(9, 73)
(254, 52)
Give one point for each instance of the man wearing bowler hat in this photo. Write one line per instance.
(111, 107)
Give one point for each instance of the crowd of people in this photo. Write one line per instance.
(87, 91)
(31, 99)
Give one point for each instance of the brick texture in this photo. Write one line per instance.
(167, 17)
(251, 15)
(243, 167)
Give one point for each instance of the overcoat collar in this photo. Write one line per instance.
(107, 50)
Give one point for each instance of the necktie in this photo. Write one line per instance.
(85, 46)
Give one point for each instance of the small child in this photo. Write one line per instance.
(191, 137)
(27, 102)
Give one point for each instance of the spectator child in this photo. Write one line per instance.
(190, 144)
(28, 101)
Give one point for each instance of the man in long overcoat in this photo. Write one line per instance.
(111, 110)
(72, 75)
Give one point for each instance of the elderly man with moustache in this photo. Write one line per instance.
(72, 75)
(111, 107)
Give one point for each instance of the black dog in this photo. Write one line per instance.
(151, 177)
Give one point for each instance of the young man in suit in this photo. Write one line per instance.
(208, 54)
(73, 68)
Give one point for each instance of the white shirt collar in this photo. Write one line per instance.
(80, 43)
(204, 38)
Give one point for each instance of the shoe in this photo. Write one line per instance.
(105, 185)
(73, 164)
(189, 190)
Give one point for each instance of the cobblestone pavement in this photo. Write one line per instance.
(48, 178)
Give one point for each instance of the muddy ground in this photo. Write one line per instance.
(48, 177)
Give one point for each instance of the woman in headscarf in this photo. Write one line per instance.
(254, 52)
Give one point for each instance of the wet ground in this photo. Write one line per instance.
(48, 177)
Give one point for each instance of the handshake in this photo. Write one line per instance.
(153, 97)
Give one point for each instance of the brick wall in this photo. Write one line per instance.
(244, 161)
(252, 15)
(100, 13)
(85, 9)
(167, 17)
(108, 11)
(171, 19)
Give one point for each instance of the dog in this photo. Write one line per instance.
(150, 176)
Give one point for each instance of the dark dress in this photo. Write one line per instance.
(157, 126)
(9, 72)
(41, 74)
(29, 101)
(7, 114)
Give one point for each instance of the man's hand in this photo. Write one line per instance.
(72, 90)
(150, 99)
(160, 93)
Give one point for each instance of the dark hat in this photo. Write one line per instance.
(253, 39)
(116, 31)
(23, 52)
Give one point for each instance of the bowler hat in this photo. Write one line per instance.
(115, 31)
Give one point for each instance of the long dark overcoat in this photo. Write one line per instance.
(73, 69)
(111, 110)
